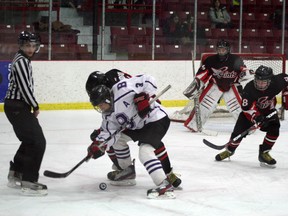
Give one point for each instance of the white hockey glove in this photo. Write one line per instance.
(194, 89)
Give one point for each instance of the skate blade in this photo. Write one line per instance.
(31, 192)
(130, 182)
(166, 195)
(263, 164)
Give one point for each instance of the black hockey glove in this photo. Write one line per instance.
(142, 102)
(95, 134)
(262, 121)
(95, 150)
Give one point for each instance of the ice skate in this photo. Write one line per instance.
(163, 191)
(33, 189)
(14, 177)
(223, 155)
(174, 180)
(125, 177)
(266, 160)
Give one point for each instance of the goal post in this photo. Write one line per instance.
(252, 61)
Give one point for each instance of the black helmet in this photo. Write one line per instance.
(95, 78)
(223, 44)
(113, 76)
(263, 73)
(100, 94)
(26, 36)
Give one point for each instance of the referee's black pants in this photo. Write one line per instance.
(28, 157)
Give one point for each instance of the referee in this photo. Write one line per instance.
(21, 109)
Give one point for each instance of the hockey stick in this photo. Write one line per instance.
(53, 174)
(243, 134)
(197, 109)
(196, 101)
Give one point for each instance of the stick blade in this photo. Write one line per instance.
(211, 145)
(51, 174)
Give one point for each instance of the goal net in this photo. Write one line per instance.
(252, 61)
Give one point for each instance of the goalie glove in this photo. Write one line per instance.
(96, 150)
(141, 100)
(194, 89)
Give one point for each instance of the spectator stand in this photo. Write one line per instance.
(24, 6)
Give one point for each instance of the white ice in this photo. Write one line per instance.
(236, 187)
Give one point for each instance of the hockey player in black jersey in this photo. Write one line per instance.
(258, 101)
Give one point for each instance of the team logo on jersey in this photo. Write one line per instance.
(264, 102)
(224, 73)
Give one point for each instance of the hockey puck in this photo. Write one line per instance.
(102, 186)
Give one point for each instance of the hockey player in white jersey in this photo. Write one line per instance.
(126, 105)
(123, 166)
(219, 76)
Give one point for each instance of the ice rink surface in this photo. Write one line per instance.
(235, 188)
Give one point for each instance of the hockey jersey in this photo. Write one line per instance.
(256, 102)
(223, 73)
(125, 113)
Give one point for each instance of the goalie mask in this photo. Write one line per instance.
(29, 38)
(262, 78)
(223, 50)
(95, 78)
(101, 98)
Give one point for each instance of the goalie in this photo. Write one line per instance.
(218, 77)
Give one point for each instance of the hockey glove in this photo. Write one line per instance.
(95, 134)
(262, 121)
(158, 101)
(95, 150)
(142, 102)
(194, 89)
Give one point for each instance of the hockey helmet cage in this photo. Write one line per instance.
(223, 44)
(100, 94)
(26, 36)
(95, 78)
(114, 76)
(263, 77)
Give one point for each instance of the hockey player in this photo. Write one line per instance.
(258, 101)
(127, 106)
(124, 173)
(218, 77)
(21, 109)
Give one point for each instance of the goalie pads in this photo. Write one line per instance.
(194, 89)
(208, 103)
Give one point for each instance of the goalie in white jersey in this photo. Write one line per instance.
(126, 105)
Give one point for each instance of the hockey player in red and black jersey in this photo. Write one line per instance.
(219, 76)
(258, 101)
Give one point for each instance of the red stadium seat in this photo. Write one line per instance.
(62, 52)
(120, 39)
(7, 29)
(139, 34)
(258, 48)
(219, 33)
(138, 52)
(19, 28)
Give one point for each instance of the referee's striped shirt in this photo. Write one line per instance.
(21, 84)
